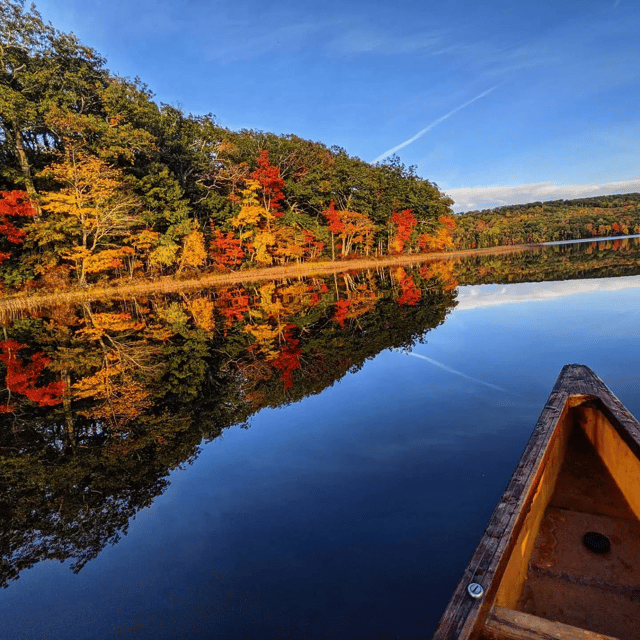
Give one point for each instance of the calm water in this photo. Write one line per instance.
(371, 463)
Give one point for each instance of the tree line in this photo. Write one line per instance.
(600, 216)
(98, 181)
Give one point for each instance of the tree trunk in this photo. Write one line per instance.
(66, 404)
(24, 166)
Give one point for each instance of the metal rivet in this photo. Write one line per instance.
(475, 590)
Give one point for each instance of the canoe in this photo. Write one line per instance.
(560, 557)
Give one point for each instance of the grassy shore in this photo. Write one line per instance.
(22, 302)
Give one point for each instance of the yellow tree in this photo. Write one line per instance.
(95, 200)
(254, 224)
(441, 239)
(289, 244)
(128, 362)
(202, 310)
(194, 253)
(142, 244)
(354, 228)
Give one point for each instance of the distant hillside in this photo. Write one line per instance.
(612, 215)
(603, 202)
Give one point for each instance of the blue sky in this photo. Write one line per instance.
(498, 102)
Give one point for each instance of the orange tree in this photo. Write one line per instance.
(353, 229)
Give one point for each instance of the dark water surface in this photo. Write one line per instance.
(371, 464)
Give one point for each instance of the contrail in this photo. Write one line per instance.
(457, 373)
(433, 124)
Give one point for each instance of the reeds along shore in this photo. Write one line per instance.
(23, 302)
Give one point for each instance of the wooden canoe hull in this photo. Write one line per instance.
(500, 563)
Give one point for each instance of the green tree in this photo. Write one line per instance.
(40, 68)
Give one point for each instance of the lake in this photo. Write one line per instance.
(312, 458)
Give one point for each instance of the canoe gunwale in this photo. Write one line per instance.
(626, 426)
(577, 385)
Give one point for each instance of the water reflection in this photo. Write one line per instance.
(606, 259)
(475, 296)
(101, 401)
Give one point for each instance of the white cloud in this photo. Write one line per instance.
(473, 198)
(242, 42)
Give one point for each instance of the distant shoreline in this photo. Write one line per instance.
(172, 285)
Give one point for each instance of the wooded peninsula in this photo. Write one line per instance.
(98, 183)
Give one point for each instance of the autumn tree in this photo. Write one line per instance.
(193, 254)
(253, 222)
(336, 226)
(440, 238)
(410, 294)
(232, 304)
(13, 206)
(94, 207)
(288, 360)
(352, 227)
(403, 225)
(226, 250)
(271, 184)
(143, 243)
(296, 243)
(22, 378)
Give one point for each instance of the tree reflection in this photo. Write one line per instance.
(103, 400)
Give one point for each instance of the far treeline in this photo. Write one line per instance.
(549, 221)
(98, 181)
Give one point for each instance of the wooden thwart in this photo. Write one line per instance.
(506, 624)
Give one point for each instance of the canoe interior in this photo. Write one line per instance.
(565, 581)
(590, 481)
(580, 472)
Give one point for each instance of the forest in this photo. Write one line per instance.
(535, 222)
(98, 182)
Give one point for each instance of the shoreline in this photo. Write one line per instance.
(172, 285)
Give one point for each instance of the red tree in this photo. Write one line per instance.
(405, 222)
(271, 183)
(15, 204)
(410, 294)
(289, 359)
(226, 251)
(232, 305)
(22, 378)
(336, 225)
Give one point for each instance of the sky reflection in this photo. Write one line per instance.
(477, 296)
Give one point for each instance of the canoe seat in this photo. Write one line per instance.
(507, 624)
